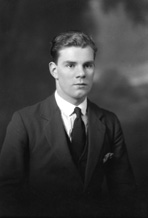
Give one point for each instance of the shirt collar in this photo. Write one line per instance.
(68, 108)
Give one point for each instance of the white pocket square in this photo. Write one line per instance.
(107, 157)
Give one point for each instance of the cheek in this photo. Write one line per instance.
(64, 80)
(61, 76)
(90, 77)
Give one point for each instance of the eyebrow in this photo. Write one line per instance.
(90, 62)
(73, 62)
(66, 62)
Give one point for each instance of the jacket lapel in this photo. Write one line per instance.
(96, 133)
(56, 135)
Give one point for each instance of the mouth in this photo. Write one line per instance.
(80, 84)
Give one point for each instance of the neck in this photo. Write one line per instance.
(73, 101)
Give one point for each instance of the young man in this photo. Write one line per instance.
(54, 158)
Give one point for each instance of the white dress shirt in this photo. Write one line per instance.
(67, 114)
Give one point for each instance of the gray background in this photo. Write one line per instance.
(120, 29)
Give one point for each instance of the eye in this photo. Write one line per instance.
(70, 65)
(89, 65)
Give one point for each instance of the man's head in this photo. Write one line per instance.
(73, 65)
(69, 39)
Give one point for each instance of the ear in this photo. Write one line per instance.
(53, 69)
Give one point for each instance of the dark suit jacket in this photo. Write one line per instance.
(35, 155)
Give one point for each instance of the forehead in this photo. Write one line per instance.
(76, 54)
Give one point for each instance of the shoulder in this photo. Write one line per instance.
(36, 108)
(33, 113)
(101, 112)
(107, 117)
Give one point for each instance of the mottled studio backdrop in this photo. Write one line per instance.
(120, 28)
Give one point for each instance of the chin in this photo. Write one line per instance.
(80, 97)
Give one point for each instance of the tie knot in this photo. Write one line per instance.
(77, 110)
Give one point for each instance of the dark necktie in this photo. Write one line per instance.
(78, 135)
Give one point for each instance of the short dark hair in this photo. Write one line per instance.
(68, 39)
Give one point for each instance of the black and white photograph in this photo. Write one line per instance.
(74, 108)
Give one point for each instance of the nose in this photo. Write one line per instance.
(81, 72)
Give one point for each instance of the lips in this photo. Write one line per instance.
(81, 84)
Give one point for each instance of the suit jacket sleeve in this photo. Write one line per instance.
(13, 165)
(120, 178)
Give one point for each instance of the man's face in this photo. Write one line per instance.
(74, 73)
